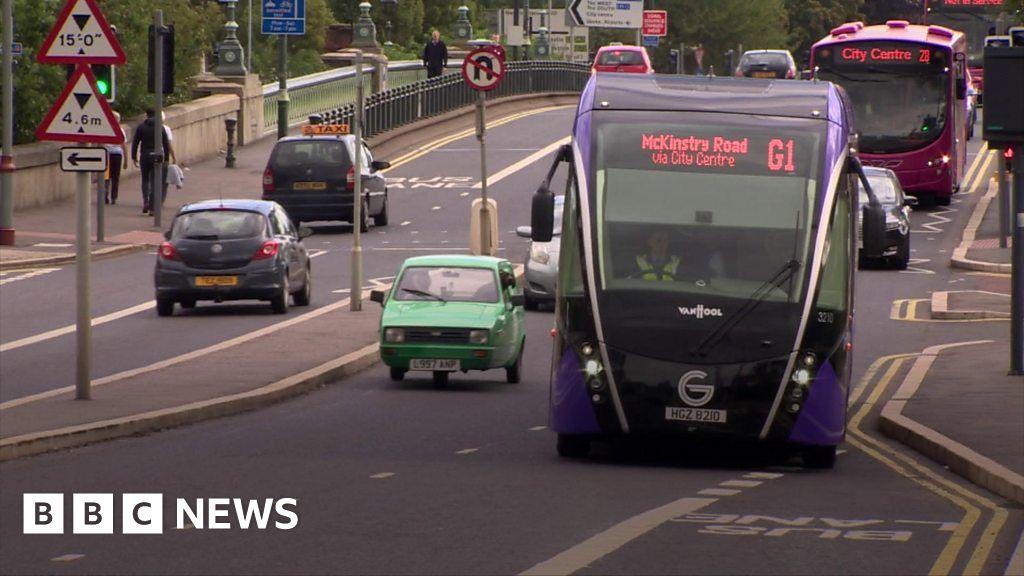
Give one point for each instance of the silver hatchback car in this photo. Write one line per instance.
(541, 271)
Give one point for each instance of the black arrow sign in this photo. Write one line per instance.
(574, 7)
(74, 159)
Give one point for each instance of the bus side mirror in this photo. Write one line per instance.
(542, 215)
(873, 224)
(377, 296)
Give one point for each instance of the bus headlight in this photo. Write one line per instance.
(478, 336)
(802, 376)
(592, 368)
(808, 359)
(394, 335)
(587, 350)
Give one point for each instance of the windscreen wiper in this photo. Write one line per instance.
(787, 269)
(424, 293)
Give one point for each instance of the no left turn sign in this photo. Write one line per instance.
(483, 69)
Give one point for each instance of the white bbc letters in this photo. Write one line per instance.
(142, 514)
(92, 514)
(43, 513)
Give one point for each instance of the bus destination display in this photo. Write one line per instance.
(902, 54)
(720, 153)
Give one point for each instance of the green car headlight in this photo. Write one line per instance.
(394, 335)
(478, 336)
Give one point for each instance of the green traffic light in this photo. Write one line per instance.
(103, 87)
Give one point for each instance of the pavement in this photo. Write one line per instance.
(978, 435)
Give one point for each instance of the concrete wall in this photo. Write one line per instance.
(199, 133)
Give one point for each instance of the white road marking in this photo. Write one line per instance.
(382, 475)
(69, 329)
(593, 549)
(467, 451)
(464, 194)
(15, 275)
(436, 208)
(718, 492)
(764, 475)
(317, 252)
(406, 223)
(740, 483)
(52, 245)
(538, 428)
(67, 558)
(223, 345)
(505, 173)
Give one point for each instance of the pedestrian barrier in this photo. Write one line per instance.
(410, 96)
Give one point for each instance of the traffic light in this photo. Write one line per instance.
(106, 79)
(166, 37)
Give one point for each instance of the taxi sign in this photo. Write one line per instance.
(325, 129)
(81, 35)
(81, 114)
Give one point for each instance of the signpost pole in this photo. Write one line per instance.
(355, 303)
(485, 213)
(282, 83)
(1017, 267)
(7, 156)
(1004, 202)
(83, 322)
(156, 178)
(101, 195)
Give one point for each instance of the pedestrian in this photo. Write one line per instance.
(142, 143)
(435, 55)
(117, 158)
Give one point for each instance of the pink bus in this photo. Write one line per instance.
(907, 84)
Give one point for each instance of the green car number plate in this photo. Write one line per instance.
(445, 365)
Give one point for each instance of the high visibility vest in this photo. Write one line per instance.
(667, 270)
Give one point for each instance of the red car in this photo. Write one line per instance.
(632, 59)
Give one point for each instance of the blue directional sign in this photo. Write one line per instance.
(650, 41)
(284, 17)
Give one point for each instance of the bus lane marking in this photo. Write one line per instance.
(8, 276)
(596, 547)
(718, 492)
(538, 155)
(70, 329)
(911, 469)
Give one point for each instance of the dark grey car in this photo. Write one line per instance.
(232, 250)
(897, 205)
(312, 177)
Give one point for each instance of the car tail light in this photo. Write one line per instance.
(350, 179)
(268, 250)
(268, 180)
(790, 74)
(168, 252)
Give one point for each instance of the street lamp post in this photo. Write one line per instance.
(356, 293)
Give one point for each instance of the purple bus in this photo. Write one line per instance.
(708, 250)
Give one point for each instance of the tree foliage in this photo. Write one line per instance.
(811, 20)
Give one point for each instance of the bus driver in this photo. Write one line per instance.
(656, 263)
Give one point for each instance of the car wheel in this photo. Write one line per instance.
(382, 218)
(164, 307)
(573, 446)
(943, 200)
(188, 304)
(531, 303)
(279, 303)
(364, 217)
(397, 374)
(514, 372)
(440, 379)
(819, 457)
(303, 296)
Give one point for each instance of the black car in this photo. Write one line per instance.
(313, 178)
(897, 205)
(767, 64)
(232, 250)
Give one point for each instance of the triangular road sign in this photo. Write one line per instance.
(81, 35)
(81, 114)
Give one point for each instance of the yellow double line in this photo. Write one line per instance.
(424, 150)
(967, 500)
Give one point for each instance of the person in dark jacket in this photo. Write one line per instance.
(144, 139)
(435, 55)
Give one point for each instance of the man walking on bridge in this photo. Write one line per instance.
(435, 55)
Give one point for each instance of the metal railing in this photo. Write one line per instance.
(410, 95)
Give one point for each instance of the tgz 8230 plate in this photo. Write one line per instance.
(695, 415)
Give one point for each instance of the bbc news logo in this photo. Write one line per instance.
(144, 513)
